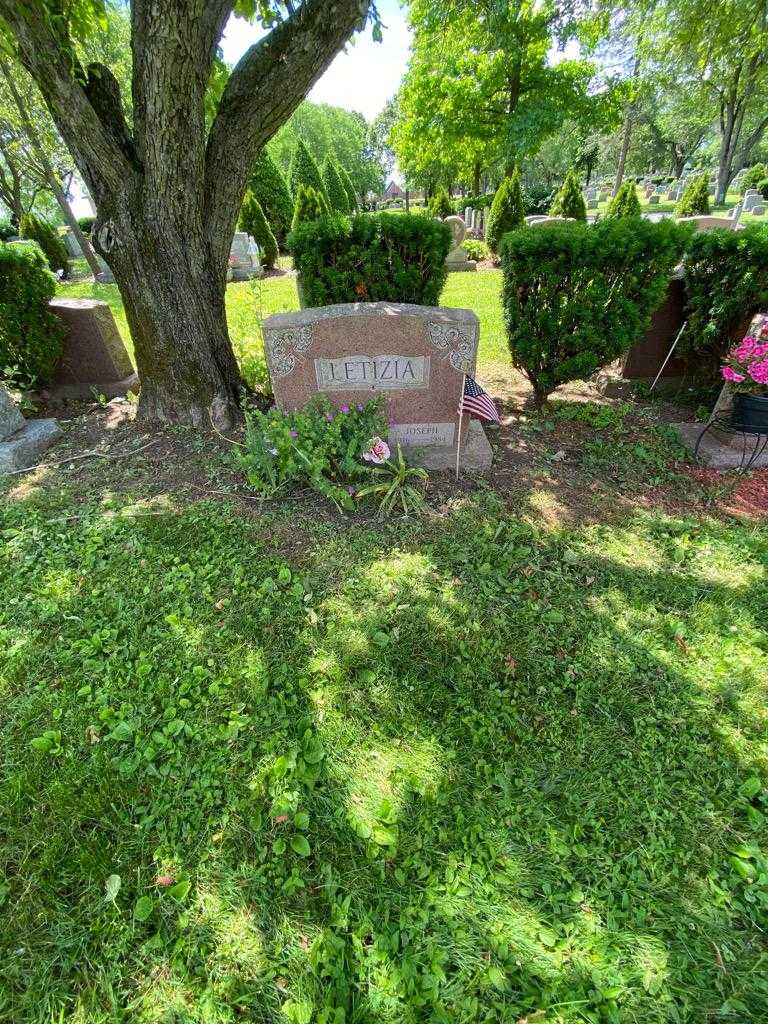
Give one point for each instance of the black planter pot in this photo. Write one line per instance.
(750, 413)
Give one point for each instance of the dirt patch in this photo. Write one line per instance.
(556, 465)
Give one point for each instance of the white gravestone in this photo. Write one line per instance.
(457, 257)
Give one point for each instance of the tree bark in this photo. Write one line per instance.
(168, 195)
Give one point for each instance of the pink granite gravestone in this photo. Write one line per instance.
(94, 355)
(415, 356)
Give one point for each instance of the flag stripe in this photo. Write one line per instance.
(477, 402)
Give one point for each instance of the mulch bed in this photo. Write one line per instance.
(748, 494)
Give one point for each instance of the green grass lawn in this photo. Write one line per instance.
(502, 762)
(469, 769)
(247, 304)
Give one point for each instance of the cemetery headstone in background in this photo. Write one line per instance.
(94, 355)
(244, 257)
(457, 257)
(415, 356)
(22, 441)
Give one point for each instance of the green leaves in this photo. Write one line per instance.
(142, 909)
(48, 743)
(300, 845)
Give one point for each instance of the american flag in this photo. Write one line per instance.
(477, 402)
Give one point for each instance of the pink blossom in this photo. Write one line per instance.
(378, 452)
(351, 492)
(345, 408)
(165, 880)
(745, 349)
(730, 374)
(759, 372)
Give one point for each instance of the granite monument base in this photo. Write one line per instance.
(24, 448)
(719, 449)
(476, 453)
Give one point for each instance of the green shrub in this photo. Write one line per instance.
(694, 202)
(440, 204)
(338, 201)
(476, 250)
(577, 296)
(269, 187)
(7, 230)
(569, 201)
(253, 221)
(506, 212)
(346, 181)
(318, 446)
(537, 199)
(626, 202)
(726, 282)
(310, 205)
(30, 334)
(753, 177)
(40, 231)
(371, 258)
(304, 171)
(86, 224)
(480, 202)
(762, 187)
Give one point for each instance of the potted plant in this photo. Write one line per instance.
(746, 370)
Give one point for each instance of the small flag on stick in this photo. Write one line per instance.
(476, 402)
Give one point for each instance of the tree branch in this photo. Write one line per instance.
(264, 89)
(45, 55)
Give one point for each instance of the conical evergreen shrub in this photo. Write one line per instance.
(626, 202)
(304, 171)
(310, 205)
(253, 221)
(354, 205)
(507, 211)
(569, 202)
(440, 204)
(269, 187)
(694, 202)
(338, 201)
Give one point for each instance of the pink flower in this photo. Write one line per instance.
(351, 492)
(378, 452)
(294, 433)
(165, 880)
(730, 374)
(329, 417)
(759, 372)
(345, 408)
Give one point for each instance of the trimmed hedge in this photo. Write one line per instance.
(626, 202)
(40, 231)
(753, 177)
(569, 201)
(86, 224)
(310, 205)
(269, 187)
(371, 258)
(304, 171)
(578, 296)
(506, 213)
(694, 202)
(440, 204)
(726, 282)
(31, 336)
(338, 200)
(253, 221)
(346, 181)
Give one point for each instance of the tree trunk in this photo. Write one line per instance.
(173, 289)
(476, 178)
(168, 188)
(627, 136)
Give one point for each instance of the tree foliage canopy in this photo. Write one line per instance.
(481, 87)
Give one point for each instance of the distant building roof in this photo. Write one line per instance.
(393, 189)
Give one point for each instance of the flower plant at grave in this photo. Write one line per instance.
(746, 366)
(318, 446)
